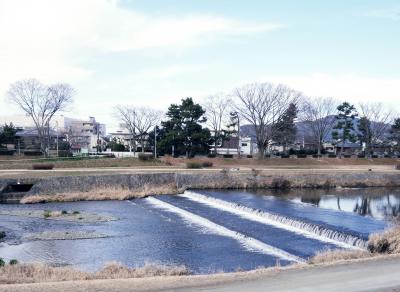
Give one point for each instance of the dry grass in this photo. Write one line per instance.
(78, 163)
(35, 273)
(386, 242)
(287, 162)
(330, 256)
(102, 194)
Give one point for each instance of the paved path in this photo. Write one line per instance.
(370, 275)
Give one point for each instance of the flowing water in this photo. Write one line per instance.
(207, 231)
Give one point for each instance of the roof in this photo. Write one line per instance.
(33, 132)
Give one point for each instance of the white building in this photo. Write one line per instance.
(244, 144)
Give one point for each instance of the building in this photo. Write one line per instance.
(245, 145)
(84, 136)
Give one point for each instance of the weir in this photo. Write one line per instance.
(249, 243)
(309, 230)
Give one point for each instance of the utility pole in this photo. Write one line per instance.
(155, 142)
(57, 137)
(239, 142)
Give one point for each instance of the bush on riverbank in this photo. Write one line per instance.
(193, 165)
(42, 166)
(207, 164)
(145, 156)
(36, 273)
(387, 242)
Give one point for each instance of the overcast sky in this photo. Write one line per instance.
(155, 52)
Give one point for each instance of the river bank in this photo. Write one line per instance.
(121, 186)
(338, 276)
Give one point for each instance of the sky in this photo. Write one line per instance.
(156, 52)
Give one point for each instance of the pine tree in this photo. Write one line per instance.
(344, 128)
(182, 132)
(285, 129)
(395, 134)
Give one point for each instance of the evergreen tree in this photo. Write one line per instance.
(285, 129)
(395, 134)
(7, 134)
(344, 128)
(364, 133)
(182, 133)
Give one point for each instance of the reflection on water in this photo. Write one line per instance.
(379, 203)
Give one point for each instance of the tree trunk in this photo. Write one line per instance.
(342, 148)
(261, 150)
(319, 148)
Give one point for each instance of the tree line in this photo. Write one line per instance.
(191, 128)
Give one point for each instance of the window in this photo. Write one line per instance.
(244, 144)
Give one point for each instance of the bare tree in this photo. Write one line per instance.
(138, 121)
(375, 122)
(217, 113)
(41, 103)
(318, 115)
(262, 104)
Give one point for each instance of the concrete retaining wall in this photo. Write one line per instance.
(207, 180)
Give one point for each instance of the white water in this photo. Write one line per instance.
(306, 229)
(249, 243)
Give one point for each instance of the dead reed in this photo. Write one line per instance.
(102, 194)
(35, 273)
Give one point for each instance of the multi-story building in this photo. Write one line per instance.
(83, 135)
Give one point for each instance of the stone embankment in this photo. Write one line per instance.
(143, 184)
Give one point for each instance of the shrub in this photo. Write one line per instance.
(75, 212)
(285, 156)
(64, 212)
(267, 155)
(347, 156)
(42, 166)
(374, 156)
(332, 156)
(386, 242)
(46, 213)
(2, 262)
(6, 152)
(33, 153)
(361, 155)
(316, 156)
(207, 164)
(301, 155)
(193, 164)
(2, 234)
(280, 183)
(64, 153)
(302, 151)
(211, 155)
(13, 262)
(249, 156)
(387, 156)
(398, 166)
(145, 156)
(228, 156)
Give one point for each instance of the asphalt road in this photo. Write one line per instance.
(370, 275)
